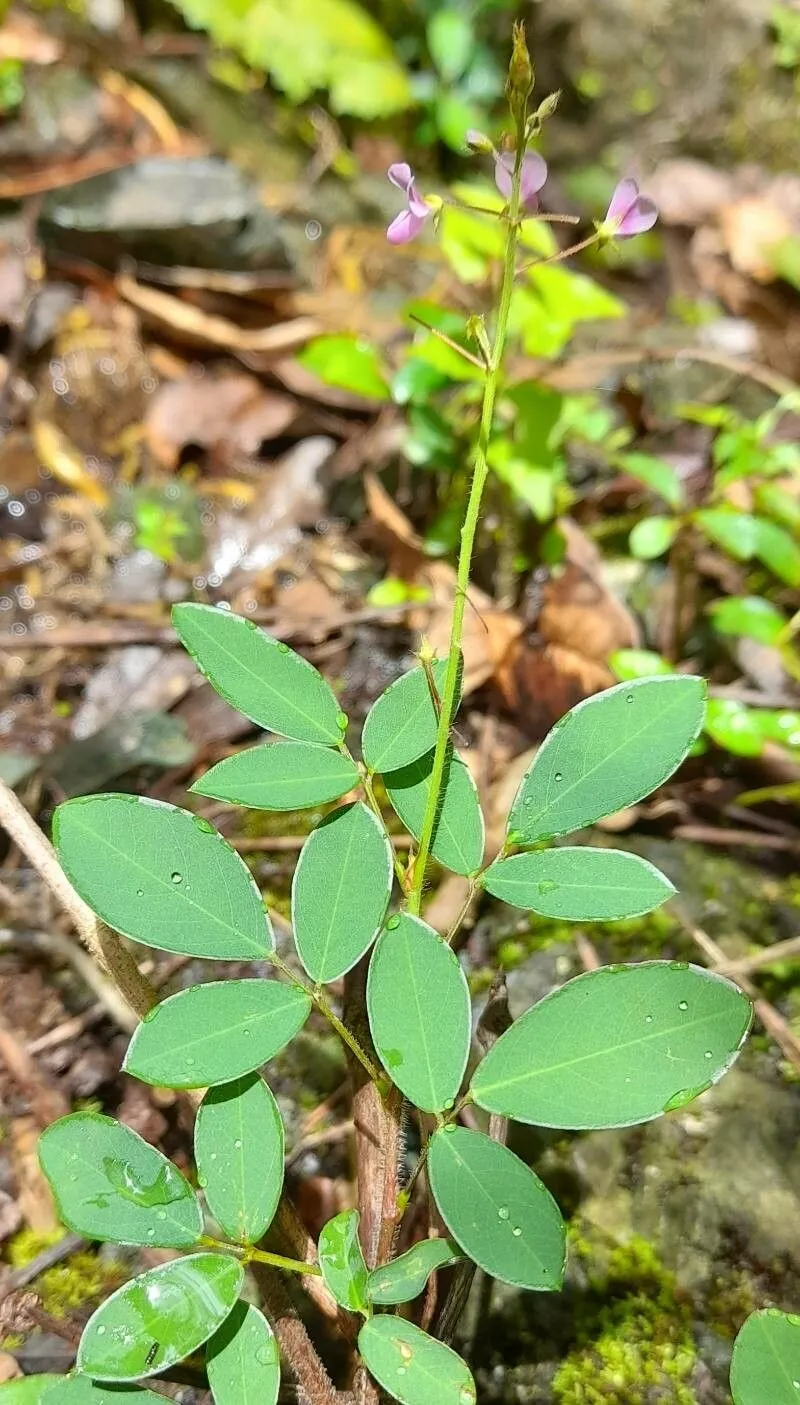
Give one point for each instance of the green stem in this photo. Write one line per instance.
(333, 1019)
(248, 1252)
(469, 529)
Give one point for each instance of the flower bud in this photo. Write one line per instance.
(478, 142)
(547, 108)
(519, 84)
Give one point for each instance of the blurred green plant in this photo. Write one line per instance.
(305, 46)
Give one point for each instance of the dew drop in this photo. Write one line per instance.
(101, 1331)
(341, 721)
(213, 1156)
(140, 892)
(708, 1054)
(189, 1060)
(629, 697)
(284, 649)
(401, 1370)
(503, 1212)
(151, 1234)
(177, 877)
(393, 923)
(648, 1019)
(558, 776)
(161, 1214)
(238, 1144)
(516, 1231)
(683, 1004)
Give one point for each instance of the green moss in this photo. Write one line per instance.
(81, 1278)
(731, 1300)
(633, 1331)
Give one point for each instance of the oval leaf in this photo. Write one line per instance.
(242, 1360)
(615, 1047)
(238, 1147)
(497, 1209)
(161, 876)
(79, 1390)
(419, 1012)
(110, 1184)
(29, 1390)
(342, 1261)
(458, 837)
(264, 679)
(401, 724)
(766, 1360)
(578, 884)
(215, 1032)
(607, 752)
(280, 776)
(413, 1367)
(405, 1277)
(159, 1318)
(340, 891)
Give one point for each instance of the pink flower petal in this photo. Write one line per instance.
(416, 204)
(405, 227)
(533, 177)
(641, 216)
(401, 175)
(625, 195)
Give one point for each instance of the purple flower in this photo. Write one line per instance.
(534, 175)
(407, 225)
(629, 212)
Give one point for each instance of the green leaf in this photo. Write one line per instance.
(29, 1390)
(405, 1277)
(350, 363)
(242, 1360)
(110, 1184)
(638, 663)
(607, 752)
(258, 675)
(736, 532)
(661, 477)
(162, 877)
(419, 1012)
(615, 1047)
(413, 1367)
(80, 1390)
(340, 891)
(159, 1318)
(215, 1032)
(400, 727)
(305, 45)
(238, 1147)
(579, 884)
(652, 537)
(450, 42)
(497, 1209)
(778, 549)
(735, 727)
(774, 500)
(458, 837)
(280, 776)
(343, 1268)
(748, 617)
(765, 1369)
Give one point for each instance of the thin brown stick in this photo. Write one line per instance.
(769, 956)
(293, 1339)
(107, 949)
(737, 838)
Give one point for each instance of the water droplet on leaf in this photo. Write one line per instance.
(683, 1004)
(503, 1212)
(177, 877)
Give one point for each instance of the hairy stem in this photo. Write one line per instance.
(469, 529)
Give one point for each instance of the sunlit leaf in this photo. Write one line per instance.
(238, 1147)
(736, 532)
(497, 1209)
(736, 727)
(779, 550)
(615, 1047)
(340, 891)
(451, 41)
(280, 776)
(748, 617)
(159, 1318)
(405, 1277)
(351, 363)
(419, 1012)
(30, 1390)
(258, 675)
(765, 1369)
(342, 1261)
(161, 876)
(607, 752)
(652, 537)
(110, 1184)
(215, 1032)
(458, 836)
(401, 724)
(656, 474)
(579, 884)
(637, 663)
(242, 1359)
(413, 1367)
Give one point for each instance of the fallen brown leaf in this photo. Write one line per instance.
(751, 228)
(215, 412)
(208, 329)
